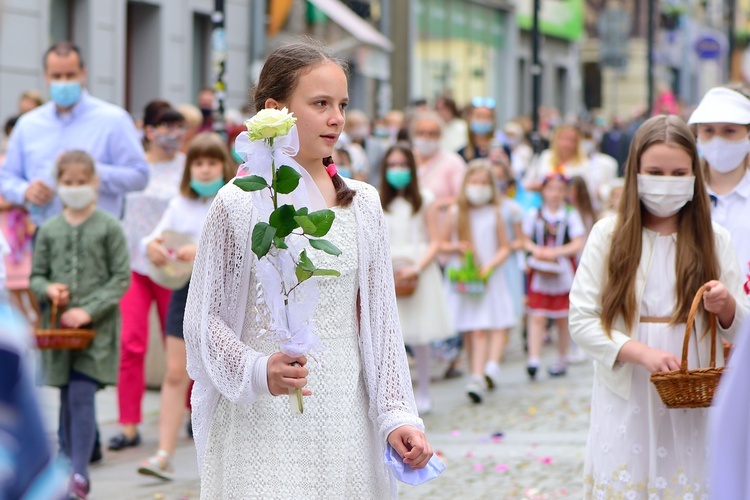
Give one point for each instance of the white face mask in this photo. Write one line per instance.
(425, 147)
(76, 197)
(478, 195)
(723, 155)
(664, 196)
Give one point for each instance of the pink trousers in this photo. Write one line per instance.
(135, 306)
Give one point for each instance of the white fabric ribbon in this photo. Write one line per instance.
(257, 157)
(292, 324)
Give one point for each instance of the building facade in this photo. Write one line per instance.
(135, 51)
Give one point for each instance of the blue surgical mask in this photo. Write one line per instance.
(398, 178)
(65, 93)
(207, 189)
(481, 128)
(344, 171)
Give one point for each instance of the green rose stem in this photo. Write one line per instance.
(266, 126)
(295, 395)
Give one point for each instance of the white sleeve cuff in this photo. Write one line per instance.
(260, 376)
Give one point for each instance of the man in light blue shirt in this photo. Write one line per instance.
(73, 119)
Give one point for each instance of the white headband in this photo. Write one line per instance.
(722, 105)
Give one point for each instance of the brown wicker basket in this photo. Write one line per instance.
(685, 388)
(405, 287)
(62, 338)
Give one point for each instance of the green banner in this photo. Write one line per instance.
(460, 20)
(558, 18)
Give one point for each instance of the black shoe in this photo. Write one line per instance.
(121, 441)
(557, 371)
(96, 454)
(531, 370)
(452, 372)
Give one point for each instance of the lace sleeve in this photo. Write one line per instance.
(216, 355)
(386, 369)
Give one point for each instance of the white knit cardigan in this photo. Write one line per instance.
(221, 365)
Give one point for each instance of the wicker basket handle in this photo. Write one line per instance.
(53, 315)
(689, 327)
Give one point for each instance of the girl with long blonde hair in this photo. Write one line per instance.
(634, 286)
(485, 316)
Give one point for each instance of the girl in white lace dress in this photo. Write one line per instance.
(637, 277)
(358, 394)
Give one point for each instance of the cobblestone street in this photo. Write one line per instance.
(539, 455)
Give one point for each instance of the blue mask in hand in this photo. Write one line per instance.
(406, 474)
(207, 189)
(64, 93)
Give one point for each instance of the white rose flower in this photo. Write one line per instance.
(636, 449)
(624, 476)
(631, 495)
(661, 452)
(269, 123)
(688, 496)
(682, 479)
(660, 483)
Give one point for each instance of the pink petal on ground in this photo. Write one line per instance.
(501, 467)
(455, 432)
(546, 460)
(469, 454)
(497, 439)
(478, 467)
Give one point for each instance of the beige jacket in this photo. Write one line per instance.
(585, 304)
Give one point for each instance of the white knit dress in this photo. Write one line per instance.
(249, 444)
(263, 450)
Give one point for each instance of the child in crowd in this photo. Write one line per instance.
(630, 298)
(208, 167)
(610, 194)
(164, 129)
(476, 225)
(554, 236)
(414, 240)
(81, 264)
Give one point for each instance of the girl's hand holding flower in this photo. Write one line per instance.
(75, 318)
(407, 272)
(283, 375)
(719, 301)
(411, 444)
(156, 252)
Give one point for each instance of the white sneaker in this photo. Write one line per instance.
(492, 375)
(475, 389)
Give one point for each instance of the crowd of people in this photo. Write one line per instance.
(599, 241)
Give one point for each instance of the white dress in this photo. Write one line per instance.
(493, 309)
(638, 448)
(424, 315)
(264, 451)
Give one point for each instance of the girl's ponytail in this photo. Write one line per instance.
(344, 194)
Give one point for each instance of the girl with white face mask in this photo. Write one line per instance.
(723, 124)
(630, 298)
(81, 264)
(485, 317)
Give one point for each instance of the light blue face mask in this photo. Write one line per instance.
(344, 171)
(207, 189)
(65, 93)
(481, 128)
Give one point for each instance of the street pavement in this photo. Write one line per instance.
(526, 440)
